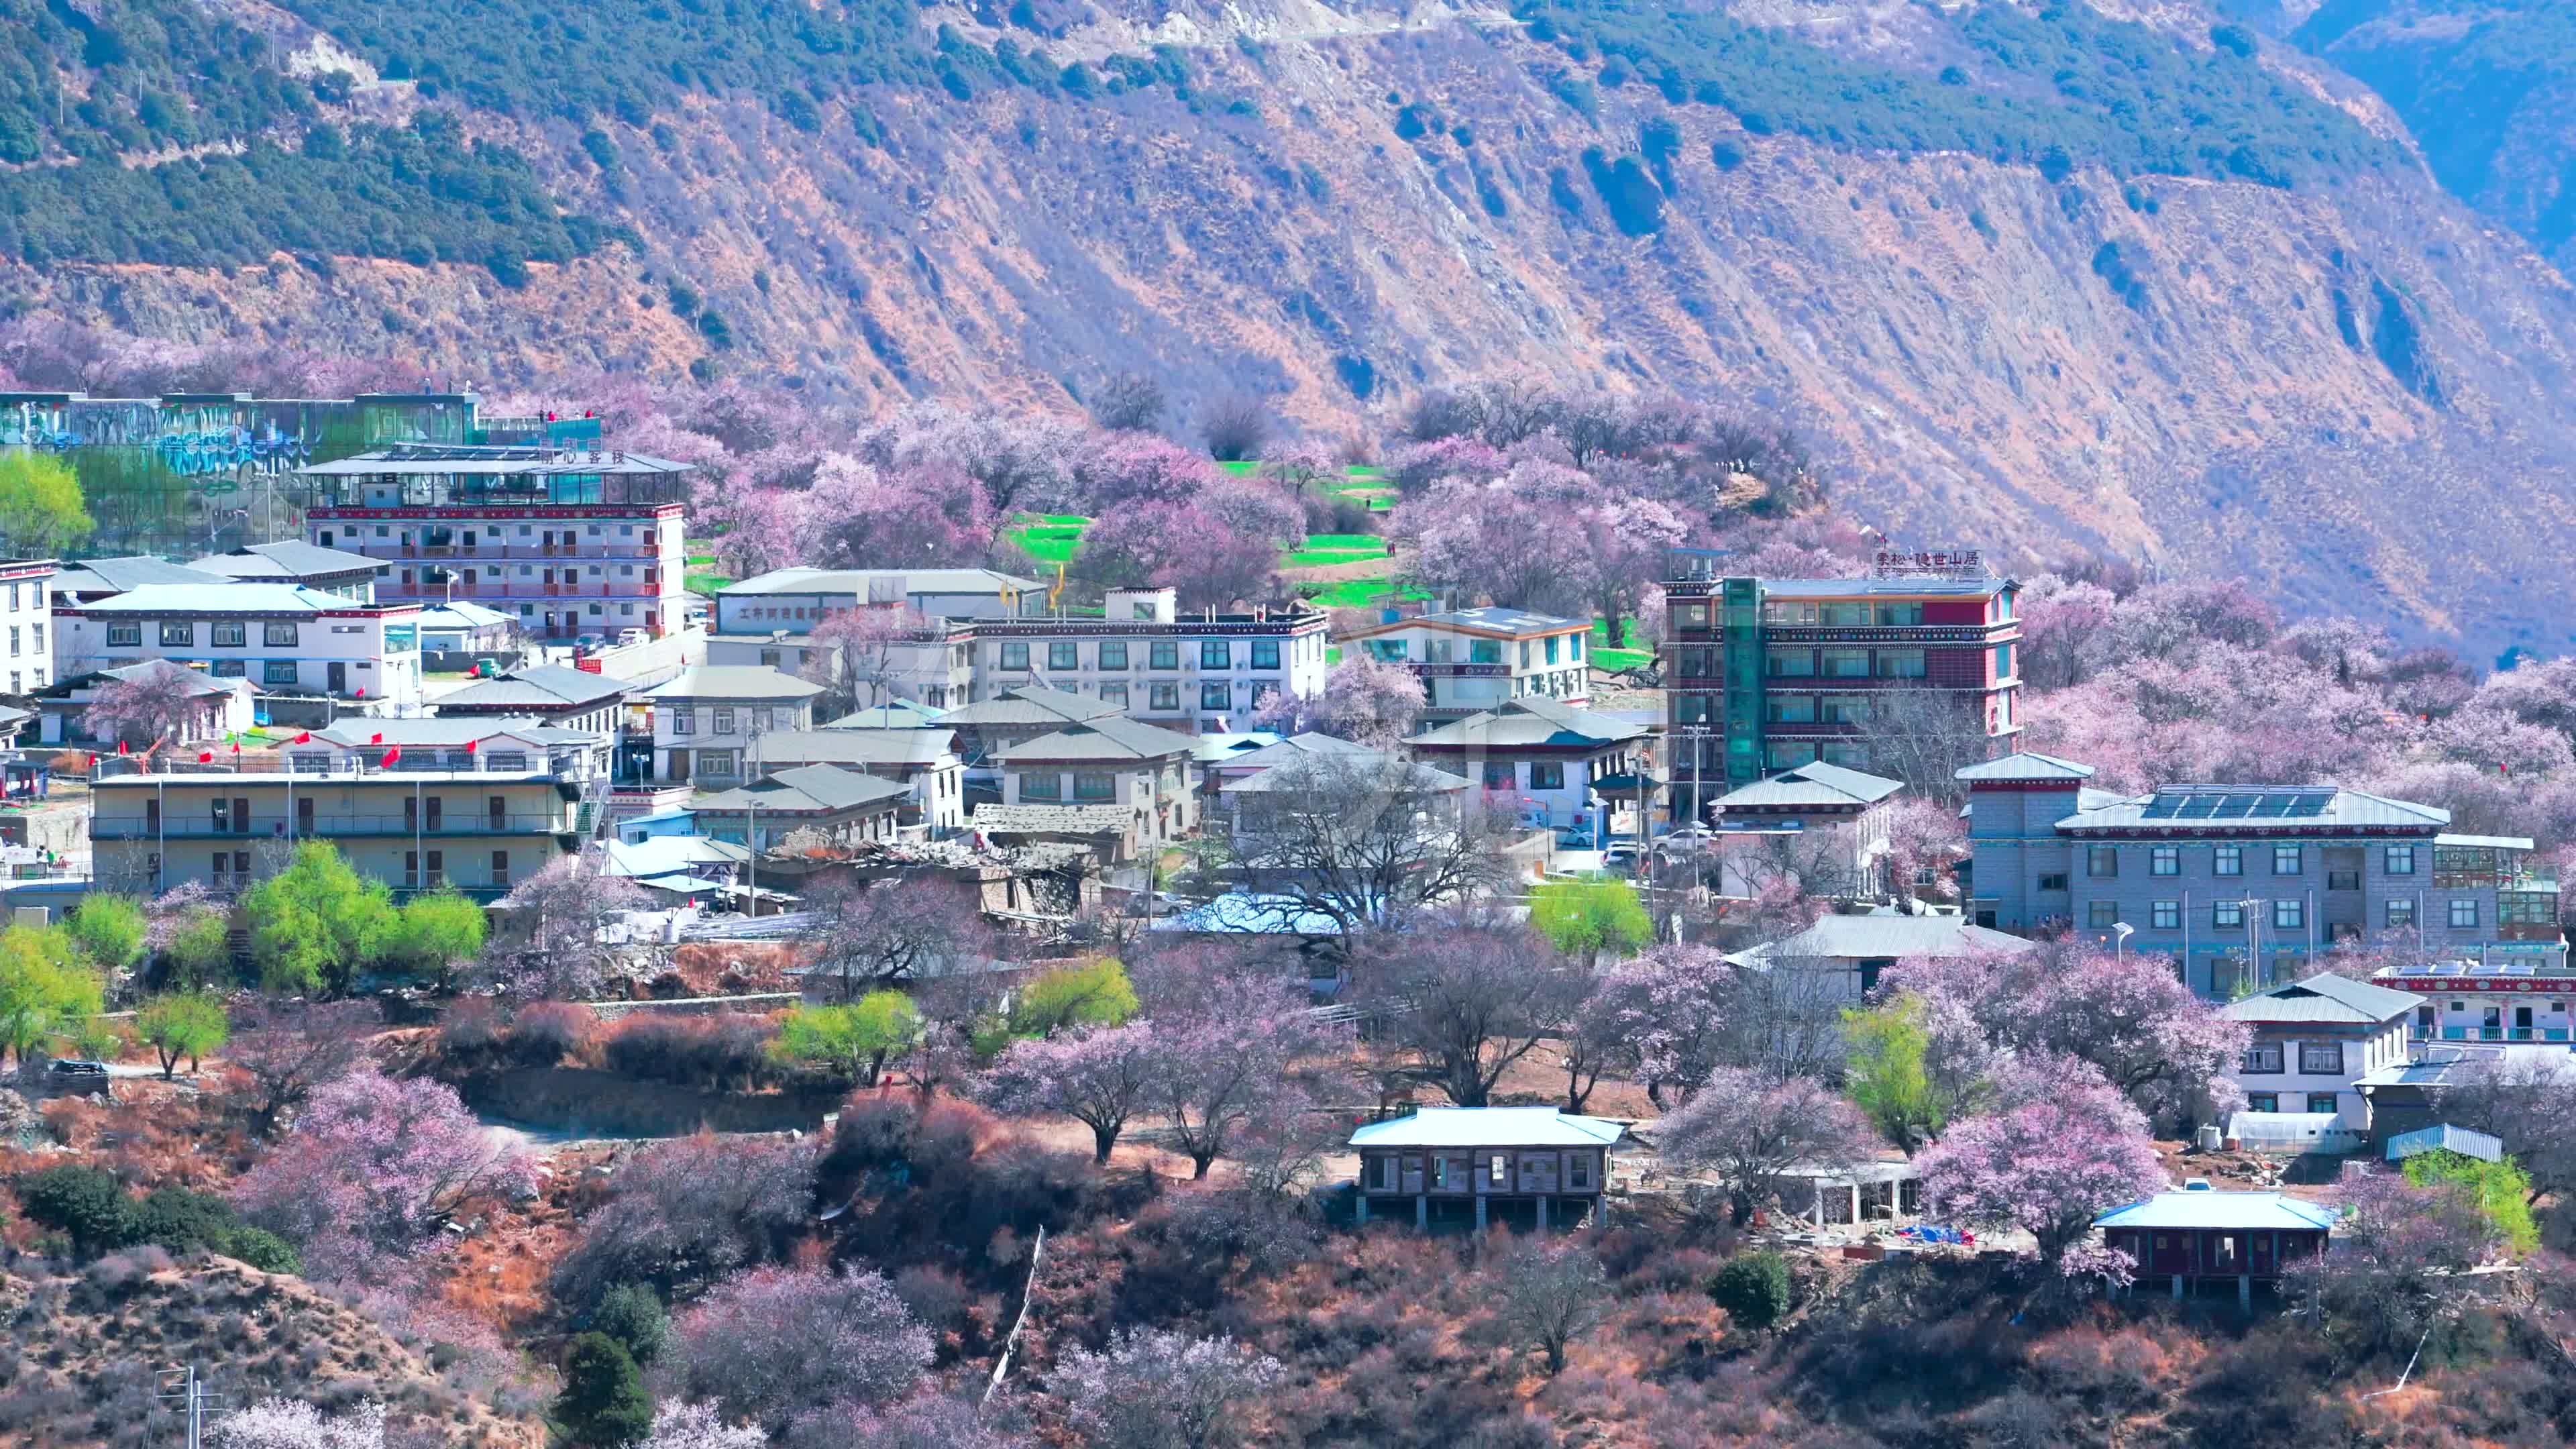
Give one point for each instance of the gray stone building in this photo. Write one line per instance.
(2245, 885)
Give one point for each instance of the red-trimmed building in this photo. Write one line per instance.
(572, 540)
(1764, 675)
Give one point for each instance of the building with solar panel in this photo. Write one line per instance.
(2246, 885)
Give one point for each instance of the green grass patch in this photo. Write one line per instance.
(1050, 537)
(700, 582)
(1622, 658)
(1358, 593)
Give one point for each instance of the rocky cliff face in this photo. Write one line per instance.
(2354, 393)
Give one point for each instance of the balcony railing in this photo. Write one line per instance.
(266, 827)
(637, 549)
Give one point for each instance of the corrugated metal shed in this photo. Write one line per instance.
(2443, 1137)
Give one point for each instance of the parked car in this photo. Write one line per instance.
(87, 1078)
(631, 636)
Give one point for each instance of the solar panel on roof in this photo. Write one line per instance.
(2162, 807)
(2237, 807)
(2199, 807)
(2314, 804)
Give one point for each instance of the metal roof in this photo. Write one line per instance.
(1107, 738)
(858, 747)
(1813, 784)
(287, 559)
(1878, 937)
(2324, 998)
(1899, 587)
(1030, 704)
(1298, 775)
(808, 789)
(2496, 842)
(1244, 913)
(1295, 748)
(2255, 1211)
(802, 579)
(118, 575)
(1530, 722)
(1491, 619)
(361, 733)
(2443, 1137)
(1220, 747)
(732, 681)
(530, 460)
(538, 686)
(463, 614)
(2026, 765)
(1490, 1127)
(2188, 806)
(212, 595)
(894, 714)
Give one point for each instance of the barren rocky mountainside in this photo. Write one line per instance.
(2142, 279)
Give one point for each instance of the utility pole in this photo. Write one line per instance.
(189, 1398)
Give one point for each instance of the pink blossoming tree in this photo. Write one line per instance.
(1746, 1129)
(1100, 1077)
(774, 1343)
(1151, 1386)
(2049, 1165)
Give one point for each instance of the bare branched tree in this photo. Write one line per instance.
(1237, 427)
(1470, 995)
(880, 932)
(1923, 737)
(1129, 402)
(1366, 841)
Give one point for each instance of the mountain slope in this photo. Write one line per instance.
(1923, 237)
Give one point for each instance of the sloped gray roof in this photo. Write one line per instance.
(1530, 722)
(287, 559)
(118, 575)
(1498, 620)
(1296, 747)
(2256, 1211)
(732, 681)
(897, 714)
(1111, 738)
(802, 579)
(1029, 704)
(857, 747)
(1295, 775)
(210, 595)
(1490, 1127)
(2324, 998)
(806, 789)
(1881, 937)
(538, 686)
(2026, 765)
(429, 731)
(1815, 784)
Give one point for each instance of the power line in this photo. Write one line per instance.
(190, 1399)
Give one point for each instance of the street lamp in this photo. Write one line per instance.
(2121, 931)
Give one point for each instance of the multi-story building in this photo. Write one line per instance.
(2313, 1042)
(844, 807)
(223, 707)
(287, 640)
(567, 698)
(2247, 884)
(1767, 674)
(794, 599)
(1472, 660)
(2490, 1001)
(1111, 777)
(86, 581)
(26, 616)
(1536, 755)
(930, 662)
(708, 721)
(575, 540)
(478, 821)
(923, 761)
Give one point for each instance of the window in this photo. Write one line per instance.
(1215, 654)
(1843, 708)
(1041, 785)
(1095, 785)
(37, 633)
(2464, 912)
(2165, 860)
(2285, 860)
(1549, 775)
(2102, 915)
(1690, 616)
(1114, 694)
(1499, 776)
(1064, 656)
(1577, 641)
(2228, 860)
(1900, 664)
(2263, 1058)
(181, 635)
(277, 671)
(1525, 654)
(231, 635)
(129, 635)
(1015, 656)
(1900, 614)
(2166, 915)
(1792, 663)
(2228, 913)
(2399, 859)
(507, 761)
(2289, 915)
(1500, 1169)
(2343, 880)
(1113, 655)
(1265, 653)
(723, 720)
(2321, 1101)
(2401, 913)
(2052, 882)
(1846, 663)
(1163, 696)
(1790, 708)
(500, 867)
(684, 720)
(1382, 1174)
(1578, 1170)
(232, 669)
(1214, 696)
(1551, 649)
(2262, 1102)
(2003, 661)
(2102, 862)
(278, 636)
(1484, 651)
(1166, 653)
(438, 868)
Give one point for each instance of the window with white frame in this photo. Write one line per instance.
(2290, 915)
(2464, 912)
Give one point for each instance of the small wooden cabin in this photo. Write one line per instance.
(2201, 1234)
(1529, 1166)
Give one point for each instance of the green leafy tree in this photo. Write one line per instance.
(199, 949)
(40, 504)
(85, 1203)
(2501, 1190)
(436, 933)
(316, 924)
(1887, 1073)
(603, 1402)
(46, 989)
(1588, 917)
(109, 929)
(1097, 994)
(187, 1024)
(1753, 1288)
(855, 1039)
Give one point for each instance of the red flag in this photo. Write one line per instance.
(205, 757)
(377, 739)
(236, 749)
(121, 749)
(93, 762)
(470, 744)
(391, 755)
(304, 737)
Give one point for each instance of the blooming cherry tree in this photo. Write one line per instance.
(774, 1342)
(1153, 1387)
(2050, 1165)
(1100, 1077)
(1746, 1129)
